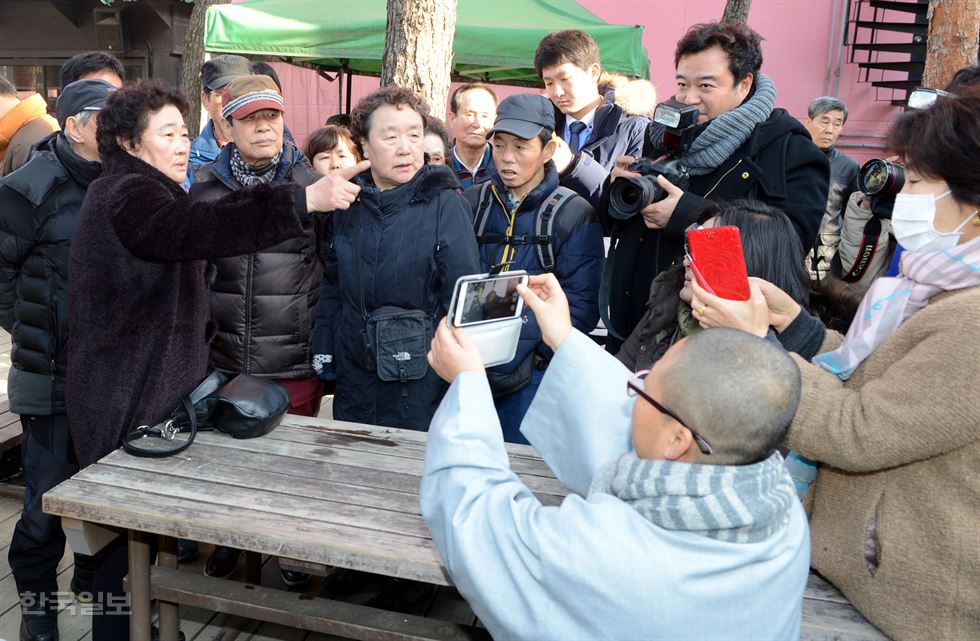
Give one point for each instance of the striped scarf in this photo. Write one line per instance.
(892, 301)
(724, 134)
(248, 175)
(734, 503)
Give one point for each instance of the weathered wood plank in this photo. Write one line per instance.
(341, 456)
(191, 464)
(402, 436)
(327, 543)
(73, 619)
(8, 418)
(276, 632)
(828, 621)
(380, 444)
(319, 615)
(273, 500)
(820, 589)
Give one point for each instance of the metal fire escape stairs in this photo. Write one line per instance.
(879, 48)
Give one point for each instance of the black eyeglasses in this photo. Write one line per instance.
(633, 388)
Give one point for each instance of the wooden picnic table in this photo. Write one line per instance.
(321, 492)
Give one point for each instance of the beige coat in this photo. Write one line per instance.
(895, 516)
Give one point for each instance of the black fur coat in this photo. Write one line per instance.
(139, 295)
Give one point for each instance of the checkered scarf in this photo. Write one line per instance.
(248, 175)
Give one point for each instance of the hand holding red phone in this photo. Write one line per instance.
(750, 315)
(717, 261)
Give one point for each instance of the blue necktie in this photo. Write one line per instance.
(574, 140)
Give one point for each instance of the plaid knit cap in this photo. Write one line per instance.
(245, 95)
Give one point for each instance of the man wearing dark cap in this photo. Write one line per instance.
(263, 303)
(216, 73)
(40, 202)
(525, 219)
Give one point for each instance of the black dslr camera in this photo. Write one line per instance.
(881, 180)
(627, 196)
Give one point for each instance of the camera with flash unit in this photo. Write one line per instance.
(627, 196)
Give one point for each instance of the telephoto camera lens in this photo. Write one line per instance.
(881, 178)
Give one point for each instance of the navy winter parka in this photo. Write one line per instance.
(579, 252)
(414, 242)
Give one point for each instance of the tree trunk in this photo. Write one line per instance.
(419, 48)
(952, 43)
(736, 11)
(191, 61)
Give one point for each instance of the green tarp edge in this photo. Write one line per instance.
(494, 41)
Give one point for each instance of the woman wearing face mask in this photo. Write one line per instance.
(891, 410)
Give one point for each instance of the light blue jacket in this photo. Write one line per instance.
(592, 567)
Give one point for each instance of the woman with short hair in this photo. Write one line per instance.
(331, 148)
(139, 319)
(396, 253)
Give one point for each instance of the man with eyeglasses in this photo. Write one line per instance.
(683, 521)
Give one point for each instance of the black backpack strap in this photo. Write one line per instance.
(544, 226)
(483, 210)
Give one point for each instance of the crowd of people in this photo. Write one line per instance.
(134, 260)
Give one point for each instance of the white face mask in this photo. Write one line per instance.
(914, 223)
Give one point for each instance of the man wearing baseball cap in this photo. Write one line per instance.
(525, 219)
(40, 202)
(263, 303)
(216, 73)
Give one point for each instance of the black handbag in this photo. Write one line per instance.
(394, 340)
(243, 406)
(400, 339)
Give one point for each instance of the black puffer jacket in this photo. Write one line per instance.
(413, 242)
(40, 203)
(264, 303)
(778, 164)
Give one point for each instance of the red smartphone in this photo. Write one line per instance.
(717, 260)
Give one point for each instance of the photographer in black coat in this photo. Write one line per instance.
(741, 147)
(40, 203)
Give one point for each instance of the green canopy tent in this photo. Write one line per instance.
(495, 39)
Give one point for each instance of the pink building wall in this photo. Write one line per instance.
(798, 55)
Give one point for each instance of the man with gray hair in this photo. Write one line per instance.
(826, 117)
(682, 514)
